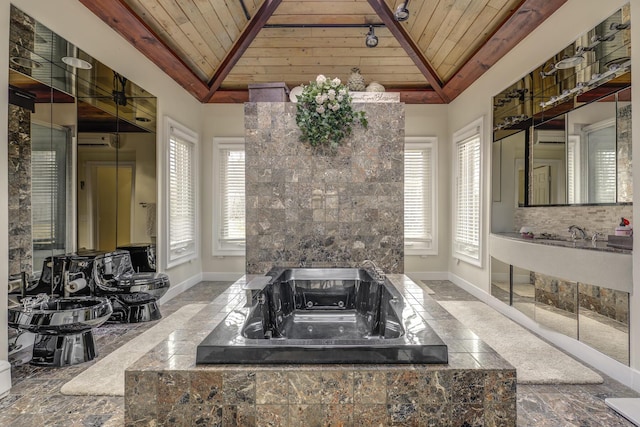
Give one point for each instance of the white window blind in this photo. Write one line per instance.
(49, 186)
(182, 196)
(232, 229)
(44, 197)
(229, 235)
(467, 196)
(602, 165)
(419, 198)
(573, 169)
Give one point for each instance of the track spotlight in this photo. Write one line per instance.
(371, 40)
(402, 13)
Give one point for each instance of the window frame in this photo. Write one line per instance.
(184, 134)
(472, 130)
(416, 246)
(220, 247)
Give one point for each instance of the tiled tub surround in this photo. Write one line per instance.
(314, 209)
(477, 387)
(557, 219)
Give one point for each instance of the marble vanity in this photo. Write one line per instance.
(578, 288)
(579, 261)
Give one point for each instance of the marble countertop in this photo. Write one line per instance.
(553, 240)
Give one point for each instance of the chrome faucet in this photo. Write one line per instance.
(574, 229)
(378, 274)
(594, 238)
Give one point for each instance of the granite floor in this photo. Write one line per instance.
(35, 399)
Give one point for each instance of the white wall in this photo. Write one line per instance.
(571, 20)
(219, 120)
(78, 25)
(420, 120)
(432, 120)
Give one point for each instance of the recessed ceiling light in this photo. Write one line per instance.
(25, 62)
(143, 119)
(76, 62)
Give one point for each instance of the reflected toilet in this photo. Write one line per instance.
(134, 295)
(63, 327)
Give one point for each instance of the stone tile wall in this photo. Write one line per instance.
(321, 396)
(557, 219)
(625, 169)
(324, 209)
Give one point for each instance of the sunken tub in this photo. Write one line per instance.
(322, 315)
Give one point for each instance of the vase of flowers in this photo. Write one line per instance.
(324, 113)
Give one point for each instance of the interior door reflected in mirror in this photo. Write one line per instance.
(548, 163)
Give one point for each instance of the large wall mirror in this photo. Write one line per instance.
(572, 118)
(82, 151)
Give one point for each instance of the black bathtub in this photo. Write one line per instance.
(322, 315)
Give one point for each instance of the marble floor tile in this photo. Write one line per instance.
(35, 398)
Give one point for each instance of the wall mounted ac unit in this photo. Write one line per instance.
(111, 140)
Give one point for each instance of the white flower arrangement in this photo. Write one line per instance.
(324, 113)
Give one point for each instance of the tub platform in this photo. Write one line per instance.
(475, 387)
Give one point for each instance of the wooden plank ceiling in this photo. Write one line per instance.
(216, 48)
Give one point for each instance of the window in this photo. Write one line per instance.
(601, 143)
(467, 197)
(420, 230)
(48, 186)
(182, 205)
(229, 230)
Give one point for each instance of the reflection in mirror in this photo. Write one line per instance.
(510, 159)
(624, 185)
(524, 291)
(116, 163)
(591, 152)
(548, 163)
(41, 124)
(501, 280)
(556, 304)
(53, 106)
(604, 321)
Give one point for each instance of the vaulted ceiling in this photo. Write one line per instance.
(216, 48)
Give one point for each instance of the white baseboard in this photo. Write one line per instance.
(175, 290)
(215, 276)
(5, 378)
(599, 361)
(428, 275)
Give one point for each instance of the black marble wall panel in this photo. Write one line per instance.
(315, 208)
(19, 200)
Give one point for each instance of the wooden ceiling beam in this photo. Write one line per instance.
(407, 43)
(522, 21)
(408, 96)
(240, 46)
(119, 16)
